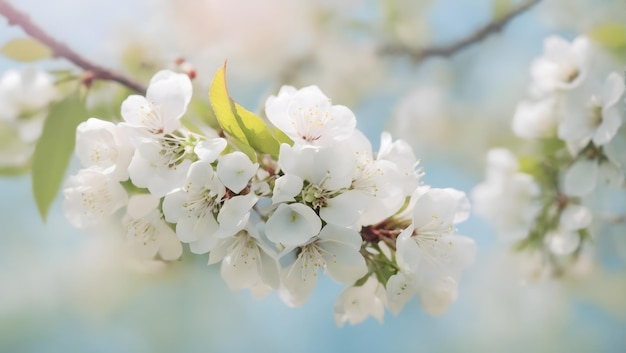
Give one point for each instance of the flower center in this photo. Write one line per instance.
(141, 232)
(151, 118)
(174, 149)
(203, 204)
(310, 123)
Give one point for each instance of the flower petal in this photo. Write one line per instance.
(292, 224)
(580, 177)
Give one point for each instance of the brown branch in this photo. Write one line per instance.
(18, 18)
(418, 55)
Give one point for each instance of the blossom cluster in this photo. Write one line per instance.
(328, 202)
(545, 200)
(24, 97)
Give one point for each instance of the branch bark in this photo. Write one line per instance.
(418, 55)
(61, 50)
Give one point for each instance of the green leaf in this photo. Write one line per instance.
(282, 137)
(529, 165)
(26, 49)
(14, 171)
(222, 106)
(54, 149)
(257, 132)
(239, 123)
(610, 35)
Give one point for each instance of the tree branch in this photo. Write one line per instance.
(18, 18)
(418, 55)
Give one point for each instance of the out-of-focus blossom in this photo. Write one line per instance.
(508, 199)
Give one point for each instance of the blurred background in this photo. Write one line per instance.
(64, 291)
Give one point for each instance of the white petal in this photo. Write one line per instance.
(234, 214)
(221, 250)
(355, 304)
(580, 177)
(343, 263)
(204, 244)
(146, 250)
(208, 151)
(240, 266)
(562, 242)
(235, 170)
(286, 188)
(133, 109)
(613, 89)
(173, 208)
(346, 236)
(536, 119)
(296, 161)
(140, 205)
(299, 280)
(400, 289)
(194, 229)
(439, 209)
(575, 217)
(146, 171)
(344, 209)
(611, 122)
(610, 174)
(269, 270)
(292, 224)
(91, 198)
(170, 92)
(436, 298)
(169, 247)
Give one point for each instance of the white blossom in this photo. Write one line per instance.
(401, 288)
(429, 251)
(91, 198)
(104, 147)
(194, 207)
(23, 96)
(563, 66)
(292, 224)
(146, 231)
(335, 249)
(160, 164)
(286, 188)
(328, 173)
(234, 214)
(247, 261)
(385, 180)
(357, 303)
(537, 118)
(308, 117)
(508, 199)
(582, 176)
(565, 238)
(166, 101)
(598, 121)
(235, 170)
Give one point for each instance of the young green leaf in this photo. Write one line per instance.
(26, 49)
(239, 123)
(221, 103)
(257, 132)
(610, 35)
(54, 149)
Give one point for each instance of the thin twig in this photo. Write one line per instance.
(19, 18)
(418, 55)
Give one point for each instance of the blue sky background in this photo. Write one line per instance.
(48, 305)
